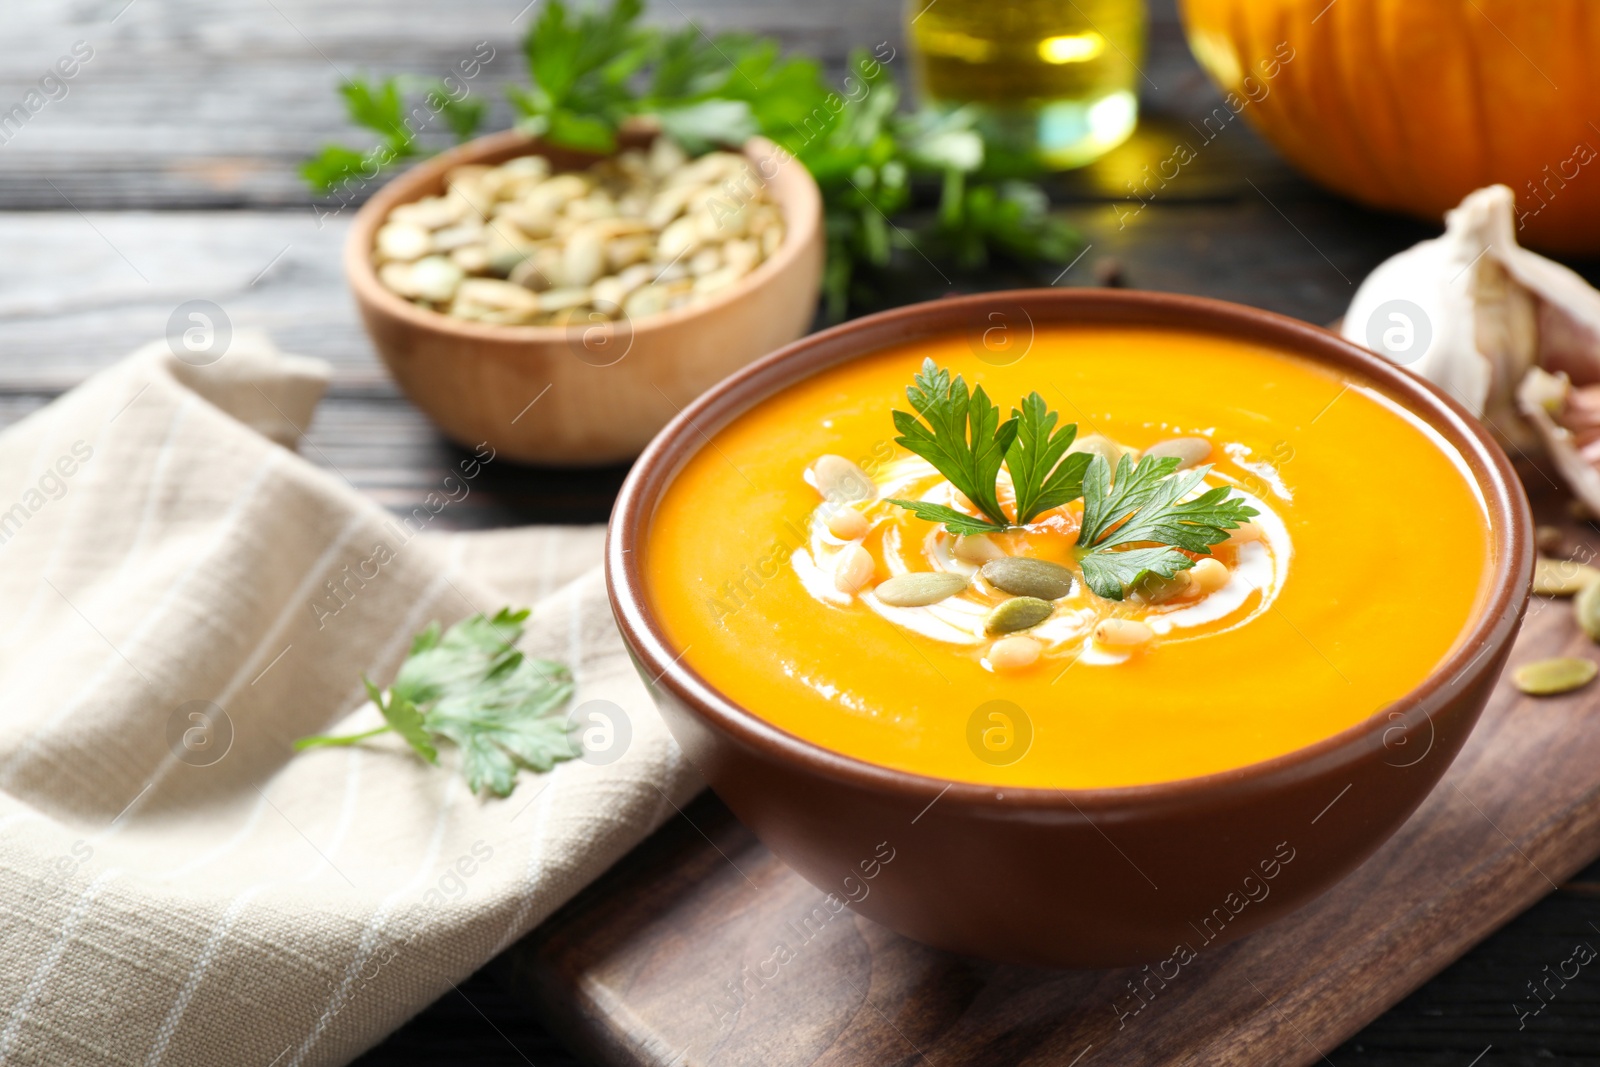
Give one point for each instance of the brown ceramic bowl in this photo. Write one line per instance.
(1093, 877)
(610, 387)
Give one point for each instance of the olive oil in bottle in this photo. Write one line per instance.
(1055, 81)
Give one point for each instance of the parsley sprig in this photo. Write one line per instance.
(965, 441)
(592, 69)
(471, 686)
(382, 107)
(1136, 522)
(1041, 478)
(1145, 505)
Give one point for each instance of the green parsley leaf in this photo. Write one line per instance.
(380, 106)
(427, 639)
(966, 442)
(463, 115)
(335, 164)
(1040, 478)
(1111, 573)
(405, 719)
(1011, 219)
(377, 106)
(702, 126)
(505, 723)
(1144, 504)
(963, 438)
(956, 522)
(580, 66)
(470, 685)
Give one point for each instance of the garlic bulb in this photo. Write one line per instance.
(1513, 336)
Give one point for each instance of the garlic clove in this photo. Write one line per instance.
(1543, 399)
(1513, 336)
(1447, 278)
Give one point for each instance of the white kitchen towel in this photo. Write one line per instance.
(180, 599)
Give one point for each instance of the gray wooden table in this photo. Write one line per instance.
(166, 172)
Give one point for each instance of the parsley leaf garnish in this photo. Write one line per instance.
(1134, 524)
(1144, 504)
(957, 522)
(1111, 573)
(471, 685)
(966, 442)
(1041, 479)
(963, 439)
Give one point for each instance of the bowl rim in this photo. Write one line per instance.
(794, 191)
(1500, 614)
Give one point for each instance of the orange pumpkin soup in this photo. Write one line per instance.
(786, 562)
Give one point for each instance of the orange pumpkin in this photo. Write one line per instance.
(1411, 104)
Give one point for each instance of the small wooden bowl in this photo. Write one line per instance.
(1079, 877)
(596, 393)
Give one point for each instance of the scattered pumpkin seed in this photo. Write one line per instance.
(1550, 539)
(1562, 577)
(1018, 613)
(1025, 577)
(1189, 451)
(1586, 607)
(920, 589)
(1547, 677)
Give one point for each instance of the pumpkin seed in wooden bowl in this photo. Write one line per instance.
(611, 290)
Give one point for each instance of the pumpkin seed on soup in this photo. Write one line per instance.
(1025, 577)
(1018, 613)
(919, 590)
(1561, 577)
(1586, 606)
(1547, 677)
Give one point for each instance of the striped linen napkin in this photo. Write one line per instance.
(181, 596)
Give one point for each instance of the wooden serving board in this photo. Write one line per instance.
(662, 962)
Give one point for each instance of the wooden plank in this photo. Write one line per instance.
(661, 962)
(198, 103)
(94, 286)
